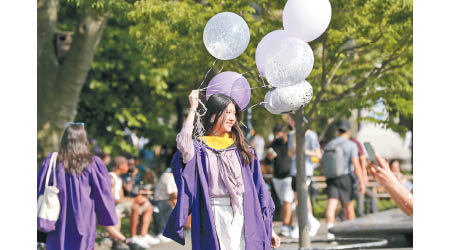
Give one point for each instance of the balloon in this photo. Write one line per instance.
(286, 99)
(231, 84)
(226, 35)
(306, 19)
(289, 63)
(268, 42)
(268, 105)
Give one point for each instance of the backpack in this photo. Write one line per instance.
(333, 160)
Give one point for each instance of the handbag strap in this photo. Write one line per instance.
(52, 165)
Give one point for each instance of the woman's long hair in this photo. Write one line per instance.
(215, 106)
(74, 150)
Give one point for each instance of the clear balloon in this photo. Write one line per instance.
(286, 99)
(289, 63)
(269, 41)
(226, 35)
(306, 19)
(231, 84)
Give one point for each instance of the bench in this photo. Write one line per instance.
(379, 191)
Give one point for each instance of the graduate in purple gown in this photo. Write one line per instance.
(219, 181)
(84, 194)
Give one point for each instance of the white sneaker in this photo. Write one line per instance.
(151, 240)
(163, 238)
(294, 233)
(330, 236)
(285, 230)
(314, 227)
(139, 240)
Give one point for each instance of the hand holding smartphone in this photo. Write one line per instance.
(370, 152)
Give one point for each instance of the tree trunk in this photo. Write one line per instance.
(302, 189)
(59, 85)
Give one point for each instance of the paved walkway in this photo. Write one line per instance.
(175, 246)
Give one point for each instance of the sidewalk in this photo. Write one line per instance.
(322, 233)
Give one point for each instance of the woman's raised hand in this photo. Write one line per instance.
(193, 99)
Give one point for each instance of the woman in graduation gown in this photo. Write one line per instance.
(84, 194)
(220, 182)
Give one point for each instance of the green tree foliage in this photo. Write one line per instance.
(365, 55)
(125, 89)
(172, 32)
(152, 55)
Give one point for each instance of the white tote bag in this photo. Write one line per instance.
(48, 206)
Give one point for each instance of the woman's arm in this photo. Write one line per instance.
(401, 196)
(193, 101)
(184, 138)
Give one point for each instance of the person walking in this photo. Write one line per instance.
(312, 149)
(282, 180)
(340, 159)
(212, 172)
(84, 194)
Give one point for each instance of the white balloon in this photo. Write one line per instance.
(289, 63)
(269, 41)
(306, 19)
(268, 104)
(226, 35)
(287, 99)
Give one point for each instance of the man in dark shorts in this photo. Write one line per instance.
(341, 187)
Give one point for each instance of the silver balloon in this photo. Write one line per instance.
(286, 99)
(289, 63)
(226, 35)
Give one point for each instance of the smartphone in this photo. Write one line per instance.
(370, 152)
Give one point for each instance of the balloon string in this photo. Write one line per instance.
(262, 79)
(206, 75)
(261, 103)
(204, 107)
(223, 63)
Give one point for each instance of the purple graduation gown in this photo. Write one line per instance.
(86, 200)
(193, 197)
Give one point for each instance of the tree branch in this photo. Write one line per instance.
(323, 78)
(357, 86)
(324, 84)
(339, 52)
(330, 79)
(329, 122)
(394, 67)
(376, 71)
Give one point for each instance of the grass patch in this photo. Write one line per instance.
(320, 205)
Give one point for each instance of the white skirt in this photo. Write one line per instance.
(229, 227)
